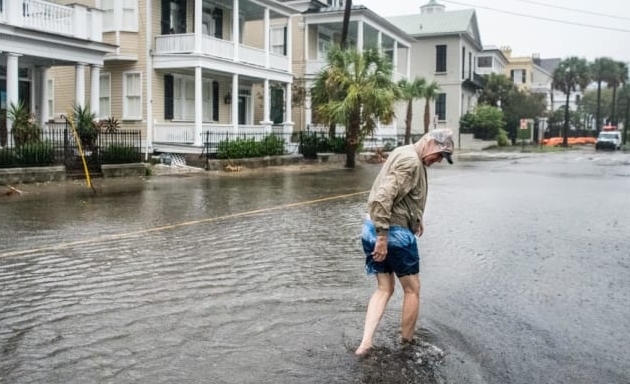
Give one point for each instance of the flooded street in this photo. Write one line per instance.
(258, 278)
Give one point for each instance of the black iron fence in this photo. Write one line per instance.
(228, 145)
(56, 145)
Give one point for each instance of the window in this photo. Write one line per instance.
(130, 16)
(132, 96)
(277, 105)
(174, 16)
(484, 62)
(440, 106)
(50, 98)
(278, 40)
(104, 98)
(577, 99)
(120, 15)
(182, 95)
(463, 62)
(323, 45)
(440, 58)
(519, 76)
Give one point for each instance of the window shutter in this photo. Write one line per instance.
(218, 23)
(215, 101)
(166, 16)
(181, 22)
(168, 97)
(285, 40)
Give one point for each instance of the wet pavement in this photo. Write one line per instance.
(258, 277)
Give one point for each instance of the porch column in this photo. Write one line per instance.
(306, 48)
(95, 90)
(379, 42)
(395, 57)
(43, 95)
(235, 101)
(198, 24)
(235, 33)
(289, 43)
(360, 35)
(267, 36)
(79, 84)
(308, 111)
(197, 131)
(12, 83)
(266, 107)
(409, 62)
(288, 112)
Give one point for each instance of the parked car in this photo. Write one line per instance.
(608, 140)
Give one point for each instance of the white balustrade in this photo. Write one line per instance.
(252, 55)
(53, 18)
(178, 43)
(277, 61)
(314, 66)
(179, 133)
(218, 47)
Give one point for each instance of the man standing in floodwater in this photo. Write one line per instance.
(396, 205)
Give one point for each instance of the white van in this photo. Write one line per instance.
(608, 140)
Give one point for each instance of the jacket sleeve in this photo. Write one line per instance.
(396, 184)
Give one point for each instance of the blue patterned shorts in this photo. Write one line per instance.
(402, 258)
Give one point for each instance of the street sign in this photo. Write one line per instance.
(524, 123)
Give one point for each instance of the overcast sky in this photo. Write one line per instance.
(528, 35)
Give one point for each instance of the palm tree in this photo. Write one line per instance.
(570, 75)
(618, 77)
(601, 70)
(360, 93)
(411, 90)
(624, 100)
(346, 24)
(430, 92)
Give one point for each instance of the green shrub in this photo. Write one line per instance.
(119, 154)
(7, 159)
(273, 145)
(502, 138)
(35, 154)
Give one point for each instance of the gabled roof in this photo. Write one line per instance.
(549, 65)
(439, 23)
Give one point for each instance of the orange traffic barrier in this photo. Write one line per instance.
(556, 141)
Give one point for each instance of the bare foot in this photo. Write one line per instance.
(363, 351)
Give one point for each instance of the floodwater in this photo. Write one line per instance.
(259, 278)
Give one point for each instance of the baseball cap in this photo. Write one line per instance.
(443, 137)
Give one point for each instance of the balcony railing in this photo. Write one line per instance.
(183, 133)
(224, 49)
(76, 20)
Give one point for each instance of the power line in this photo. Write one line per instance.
(574, 10)
(540, 17)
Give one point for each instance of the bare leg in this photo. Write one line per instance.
(411, 305)
(375, 310)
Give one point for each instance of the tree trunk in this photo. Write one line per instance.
(352, 139)
(332, 130)
(565, 127)
(613, 119)
(626, 122)
(427, 116)
(599, 102)
(345, 25)
(408, 122)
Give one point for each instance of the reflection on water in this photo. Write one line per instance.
(201, 279)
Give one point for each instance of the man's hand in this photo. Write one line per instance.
(380, 249)
(420, 230)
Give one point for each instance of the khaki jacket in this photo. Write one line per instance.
(399, 192)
